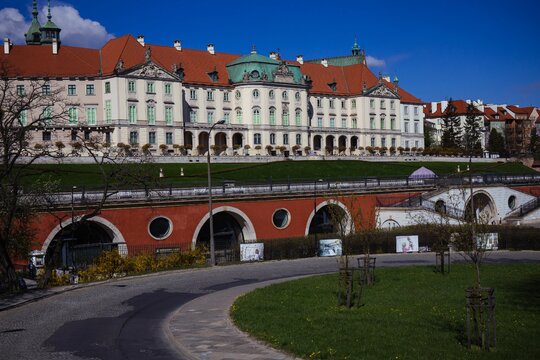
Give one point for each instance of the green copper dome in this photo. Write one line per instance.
(255, 67)
(33, 35)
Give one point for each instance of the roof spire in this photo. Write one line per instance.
(253, 49)
(33, 35)
(355, 48)
(49, 16)
(49, 31)
(34, 9)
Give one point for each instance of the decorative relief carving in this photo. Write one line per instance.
(382, 91)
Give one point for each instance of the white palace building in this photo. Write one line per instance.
(168, 97)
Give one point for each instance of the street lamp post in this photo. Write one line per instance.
(210, 218)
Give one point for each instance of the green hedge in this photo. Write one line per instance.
(510, 238)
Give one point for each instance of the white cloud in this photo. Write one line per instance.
(13, 25)
(374, 62)
(76, 31)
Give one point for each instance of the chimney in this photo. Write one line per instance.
(300, 59)
(210, 49)
(7, 46)
(272, 55)
(140, 39)
(178, 45)
(324, 62)
(55, 46)
(387, 78)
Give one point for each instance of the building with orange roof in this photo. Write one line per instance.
(168, 97)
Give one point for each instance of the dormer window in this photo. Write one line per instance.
(214, 75)
(333, 85)
(255, 74)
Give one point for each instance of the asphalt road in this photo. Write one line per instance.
(124, 318)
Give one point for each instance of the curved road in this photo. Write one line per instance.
(124, 318)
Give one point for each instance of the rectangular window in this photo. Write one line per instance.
(383, 142)
(416, 144)
(47, 115)
(372, 123)
(23, 117)
(227, 117)
(132, 114)
(354, 123)
(256, 117)
(74, 136)
(407, 144)
(319, 122)
(298, 139)
(73, 115)
(272, 139)
(151, 115)
(393, 142)
(238, 116)
(343, 123)
(382, 124)
(343, 104)
(131, 86)
(415, 110)
(383, 104)
(20, 90)
(193, 94)
(406, 126)
(152, 137)
(319, 103)
(332, 122)
(107, 87)
(133, 137)
(108, 111)
(193, 116)
(91, 115)
(72, 90)
(210, 117)
(353, 103)
(406, 110)
(46, 89)
(169, 138)
(272, 117)
(392, 124)
(392, 105)
(372, 142)
(168, 115)
(416, 128)
(46, 136)
(150, 88)
(90, 89)
(108, 137)
(331, 103)
(257, 139)
(285, 139)
(168, 89)
(372, 104)
(285, 118)
(298, 118)
(210, 95)
(226, 96)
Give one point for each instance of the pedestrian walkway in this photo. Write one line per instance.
(202, 329)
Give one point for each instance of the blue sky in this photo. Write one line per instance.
(487, 50)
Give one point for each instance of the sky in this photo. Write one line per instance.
(475, 49)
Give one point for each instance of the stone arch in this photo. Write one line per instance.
(348, 222)
(317, 143)
(485, 207)
(203, 142)
(330, 143)
(238, 140)
(247, 228)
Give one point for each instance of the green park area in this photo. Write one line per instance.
(90, 175)
(410, 313)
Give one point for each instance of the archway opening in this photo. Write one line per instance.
(81, 244)
(203, 143)
(238, 140)
(220, 143)
(484, 209)
(342, 144)
(329, 145)
(317, 142)
(227, 234)
(354, 143)
(330, 219)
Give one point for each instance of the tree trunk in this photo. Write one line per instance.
(9, 269)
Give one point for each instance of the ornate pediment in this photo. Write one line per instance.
(381, 90)
(283, 74)
(152, 71)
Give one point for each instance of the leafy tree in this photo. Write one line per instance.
(496, 142)
(451, 127)
(428, 134)
(533, 145)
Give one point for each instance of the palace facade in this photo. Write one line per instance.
(166, 98)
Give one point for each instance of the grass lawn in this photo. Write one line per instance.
(410, 313)
(195, 173)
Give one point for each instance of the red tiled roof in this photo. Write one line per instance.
(521, 110)
(72, 61)
(460, 105)
(39, 61)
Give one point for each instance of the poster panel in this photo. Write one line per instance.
(252, 252)
(407, 243)
(330, 247)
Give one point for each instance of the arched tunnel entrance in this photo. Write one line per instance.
(485, 210)
(81, 243)
(330, 219)
(227, 232)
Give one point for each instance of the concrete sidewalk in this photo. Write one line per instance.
(202, 329)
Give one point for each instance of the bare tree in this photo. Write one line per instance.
(25, 108)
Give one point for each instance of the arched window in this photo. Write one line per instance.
(256, 117)
(255, 94)
(271, 94)
(272, 116)
(298, 139)
(284, 95)
(272, 139)
(297, 96)
(285, 118)
(239, 116)
(257, 139)
(298, 117)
